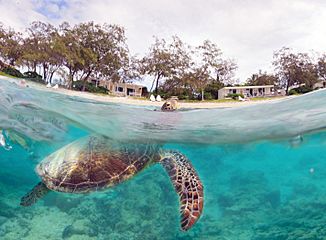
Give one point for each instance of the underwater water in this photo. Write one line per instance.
(263, 168)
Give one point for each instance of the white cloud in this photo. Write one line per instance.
(18, 14)
(248, 31)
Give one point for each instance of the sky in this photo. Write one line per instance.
(247, 31)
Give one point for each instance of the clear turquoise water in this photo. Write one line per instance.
(257, 186)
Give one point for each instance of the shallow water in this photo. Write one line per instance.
(267, 180)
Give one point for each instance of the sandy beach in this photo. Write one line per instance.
(142, 102)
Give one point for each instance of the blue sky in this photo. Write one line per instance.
(51, 8)
(248, 31)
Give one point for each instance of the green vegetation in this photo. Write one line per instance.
(12, 72)
(33, 76)
(88, 51)
(89, 87)
(300, 90)
(4, 74)
(179, 69)
(212, 90)
(261, 78)
(81, 52)
(235, 96)
(297, 69)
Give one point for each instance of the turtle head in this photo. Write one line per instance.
(61, 161)
(170, 105)
(51, 164)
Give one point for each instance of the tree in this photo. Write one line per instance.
(225, 73)
(71, 53)
(87, 50)
(92, 50)
(309, 73)
(10, 45)
(55, 56)
(260, 78)
(165, 61)
(188, 70)
(131, 69)
(293, 69)
(209, 66)
(113, 60)
(321, 67)
(42, 48)
(213, 87)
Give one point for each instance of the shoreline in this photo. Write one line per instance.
(141, 102)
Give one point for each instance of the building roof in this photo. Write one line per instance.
(126, 84)
(246, 87)
(129, 85)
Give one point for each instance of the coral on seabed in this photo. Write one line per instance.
(300, 219)
(246, 207)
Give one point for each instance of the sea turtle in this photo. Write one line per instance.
(96, 162)
(170, 105)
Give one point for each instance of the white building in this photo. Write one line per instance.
(124, 89)
(247, 91)
(320, 84)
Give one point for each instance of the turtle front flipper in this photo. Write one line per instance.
(37, 192)
(187, 184)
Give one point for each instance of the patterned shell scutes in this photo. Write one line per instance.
(93, 163)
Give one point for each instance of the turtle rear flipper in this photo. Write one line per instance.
(37, 192)
(188, 186)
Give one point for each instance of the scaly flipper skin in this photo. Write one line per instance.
(37, 192)
(187, 184)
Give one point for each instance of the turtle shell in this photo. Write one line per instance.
(93, 163)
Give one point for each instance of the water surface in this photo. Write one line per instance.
(263, 168)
